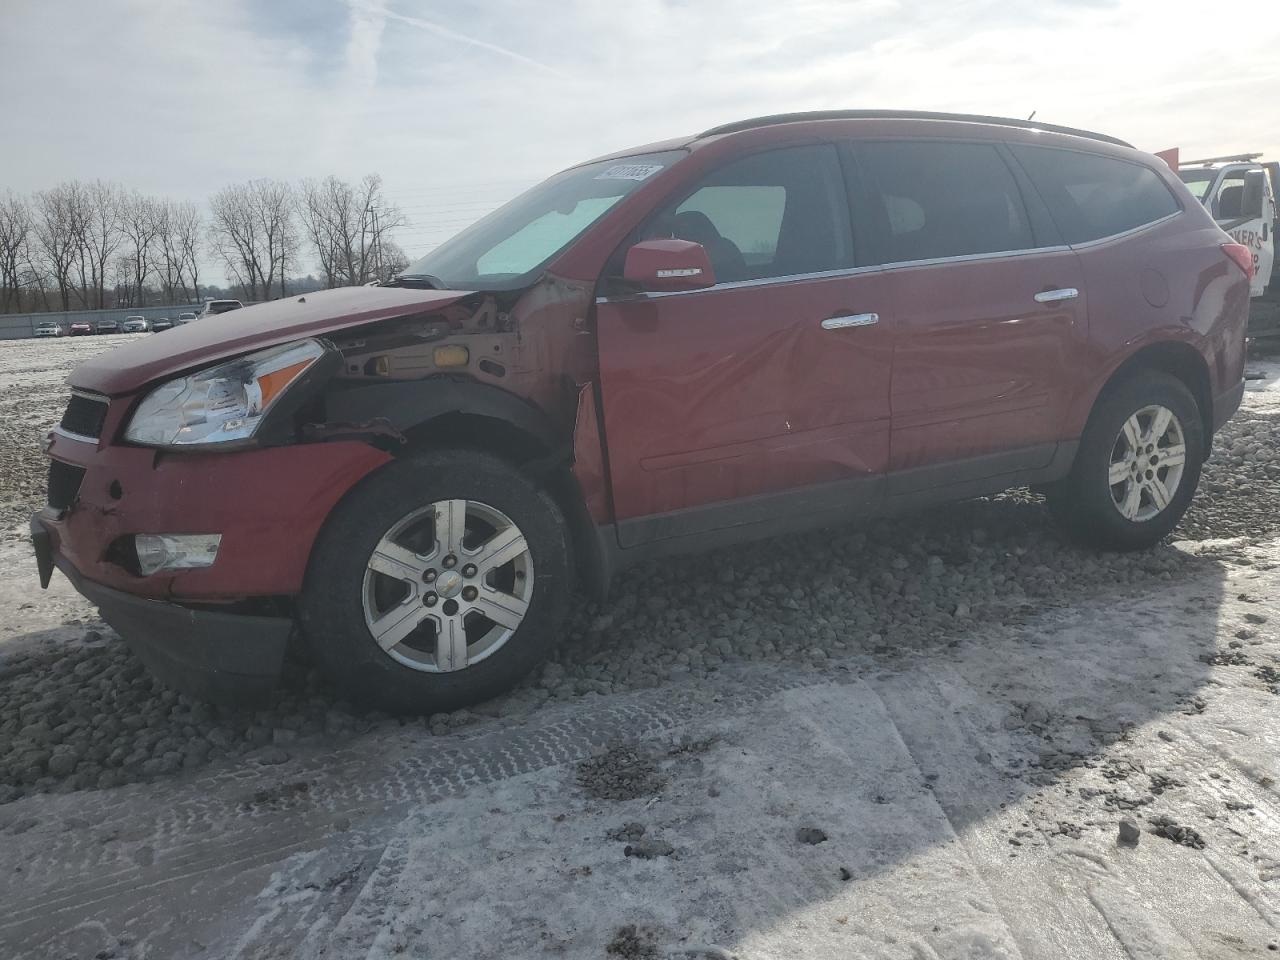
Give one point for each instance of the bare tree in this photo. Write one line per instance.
(140, 221)
(274, 208)
(254, 231)
(100, 235)
(57, 232)
(391, 259)
(188, 228)
(122, 279)
(171, 259)
(323, 206)
(15, 250)
(80, 241)
(348, 226)
(234, 236)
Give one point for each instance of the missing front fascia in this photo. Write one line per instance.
(479, 340)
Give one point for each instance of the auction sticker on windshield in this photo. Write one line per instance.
(630, 171)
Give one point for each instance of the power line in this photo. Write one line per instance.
(477, 185)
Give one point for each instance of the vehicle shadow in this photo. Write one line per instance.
(953, 762)
(934, 672)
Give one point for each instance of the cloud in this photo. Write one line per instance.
(454, 35)
(460, 103)
(367, 23)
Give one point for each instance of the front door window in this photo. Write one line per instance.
(773, 214)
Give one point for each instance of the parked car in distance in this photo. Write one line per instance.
(107, 326)
(135, 325)
(161, 323)
(185, 317)
(215, 307)
(776, 325)
(49, 329)
(81, 328)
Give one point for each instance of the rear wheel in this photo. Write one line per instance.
(439, 582)
(1137, 467)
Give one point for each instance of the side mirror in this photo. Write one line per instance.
(1254, 193)
(665, 265)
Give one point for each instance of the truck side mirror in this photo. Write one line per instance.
(1254, 194)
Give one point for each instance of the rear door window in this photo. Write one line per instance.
(773, 214)
(1091, 196)
(932, 199)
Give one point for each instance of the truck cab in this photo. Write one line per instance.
(1240, 192)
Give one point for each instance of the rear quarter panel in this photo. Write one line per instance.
(1169, 281)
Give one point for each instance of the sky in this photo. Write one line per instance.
(459, 105)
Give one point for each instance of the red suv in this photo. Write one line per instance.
(773, 325)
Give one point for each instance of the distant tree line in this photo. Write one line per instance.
(95, 244)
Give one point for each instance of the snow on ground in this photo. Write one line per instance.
(969, 801)
(903, 780)
(1263, 387)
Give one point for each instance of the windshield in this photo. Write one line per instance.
(502, 250)
(1198, 181)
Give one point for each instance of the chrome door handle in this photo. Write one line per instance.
(1053, 296)
(850, 320)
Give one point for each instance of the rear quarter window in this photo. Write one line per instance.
(1090, 196)
(934, 199)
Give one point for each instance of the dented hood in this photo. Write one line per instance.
(227, 335)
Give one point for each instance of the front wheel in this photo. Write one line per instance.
(437, 583)
(1137, 467)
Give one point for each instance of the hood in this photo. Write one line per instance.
(226, 335)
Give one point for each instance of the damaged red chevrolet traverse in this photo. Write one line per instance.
(773, 325)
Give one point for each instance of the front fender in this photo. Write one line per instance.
(411, 403)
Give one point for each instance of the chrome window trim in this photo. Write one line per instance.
(735, 284)
(90, 395)
(828, 274)
(963, 258)
(1132, 231)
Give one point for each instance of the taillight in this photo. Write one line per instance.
(1241, 256)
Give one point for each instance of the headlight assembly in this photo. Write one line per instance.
(224, 403)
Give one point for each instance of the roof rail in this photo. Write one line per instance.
(903, 115)
(1238, 157)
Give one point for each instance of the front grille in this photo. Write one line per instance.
(84, 416)
(64, 484)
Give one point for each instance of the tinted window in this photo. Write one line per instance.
(750, 217)
(1092, 197)
(939, 199)
(767, 215)
(1230, 201)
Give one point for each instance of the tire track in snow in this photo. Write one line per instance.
(199, 830)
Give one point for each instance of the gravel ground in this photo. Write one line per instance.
(85, 714)
(32, 396)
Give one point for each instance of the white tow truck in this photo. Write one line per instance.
(1240, 191)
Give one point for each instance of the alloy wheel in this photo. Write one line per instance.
(447, 585)
(1147, 462)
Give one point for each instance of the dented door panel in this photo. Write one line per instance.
(734, 392)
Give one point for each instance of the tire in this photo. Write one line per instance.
(404, 511)
(1140, 510)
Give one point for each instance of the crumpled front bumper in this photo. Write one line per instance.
(267, 504)
(229, 658)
